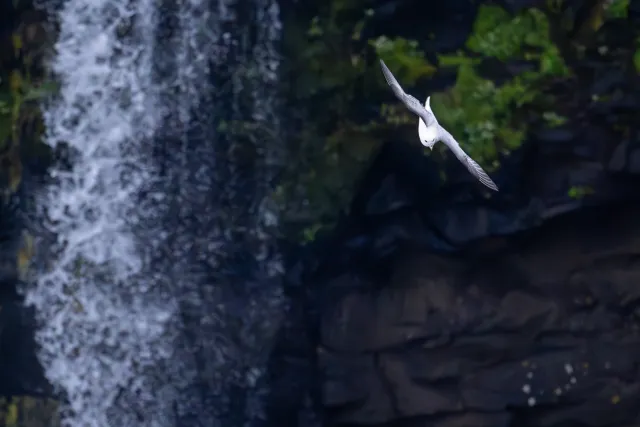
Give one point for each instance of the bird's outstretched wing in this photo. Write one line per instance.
(473, 167)
(411, 102)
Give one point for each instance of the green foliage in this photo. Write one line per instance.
(331, 149)
(409, 65)
(338, 75)
(617, 9)
(404, 57)
(327, 41)
(478, 112)
(524, 36)
(482, 115)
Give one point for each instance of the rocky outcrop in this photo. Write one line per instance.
(23, 160)
(436, 303)
(441, 307)
(542, 333)
(20, 371)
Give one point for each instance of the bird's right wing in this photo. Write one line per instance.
(473, 167)
(411, 102)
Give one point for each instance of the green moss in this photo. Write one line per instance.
(338, 76)
(334, 149)
(524, 36)
(26, 411)
(404, 57)
(25, 253)
(330, 75)
(552, 119)
(20, 93)
(617, 9)
(579, 192)
(482, 115)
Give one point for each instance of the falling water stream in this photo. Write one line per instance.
(157, 291)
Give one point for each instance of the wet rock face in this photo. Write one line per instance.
(543, 334)
(21, 373)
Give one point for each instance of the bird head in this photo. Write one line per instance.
(429, 134)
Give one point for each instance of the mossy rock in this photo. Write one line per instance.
(26, 411)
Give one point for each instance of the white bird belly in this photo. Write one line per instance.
(427, 133)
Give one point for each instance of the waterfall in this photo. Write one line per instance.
(156, 286)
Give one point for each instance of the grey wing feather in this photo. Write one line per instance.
(411, 102)
(391, 81)
(473, 167)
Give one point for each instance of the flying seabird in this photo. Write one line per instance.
(430, 131)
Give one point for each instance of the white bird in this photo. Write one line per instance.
(430, 131)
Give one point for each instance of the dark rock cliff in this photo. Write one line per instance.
(22, 160)
(435, 304)
(528, 318)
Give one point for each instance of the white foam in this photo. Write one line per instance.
(100, 331)
(111, 334)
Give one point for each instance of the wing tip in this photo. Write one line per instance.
(489, 183)
(483, 176)
(385, 71)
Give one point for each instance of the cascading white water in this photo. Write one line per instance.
(113, 300)
(101, 327)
